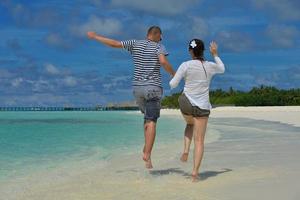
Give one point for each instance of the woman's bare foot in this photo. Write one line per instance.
(195, 177)
(184, 157)
(147, 159)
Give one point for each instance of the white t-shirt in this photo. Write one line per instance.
(197, 76)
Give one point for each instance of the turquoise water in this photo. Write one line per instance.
(97, 155)
(31, 141)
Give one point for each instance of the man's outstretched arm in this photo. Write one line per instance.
(166, 65)
(104, 40)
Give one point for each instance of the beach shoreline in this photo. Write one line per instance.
(283, 114)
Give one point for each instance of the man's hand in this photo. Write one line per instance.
(213, 48)
(91, 35)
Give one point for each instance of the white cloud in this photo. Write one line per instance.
(261, 80)
(165, 7)
(218, 23)
(56, 40)
(116, 81)
(70, 81)
(96, 2)
(50, 99)
(25, 16)
(16, 82)
(41, 85)
(281, 35)
(283, 9)
(199, 28)
(51, 69)
(234, 41)
(9, 101)
(121, 78)
(105, 26)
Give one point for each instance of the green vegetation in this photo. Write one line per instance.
(257, 96)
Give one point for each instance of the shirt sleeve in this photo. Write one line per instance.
(162, 50)
(180, 73)
(217, 67)
(128, 45)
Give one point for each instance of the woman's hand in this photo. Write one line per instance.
(213, 48)
(91, 34)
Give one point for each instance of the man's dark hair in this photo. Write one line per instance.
(154, 29)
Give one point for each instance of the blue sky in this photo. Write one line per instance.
(46, 60)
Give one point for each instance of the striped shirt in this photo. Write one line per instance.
(146, 62)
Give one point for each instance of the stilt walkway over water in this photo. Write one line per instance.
(65, 108)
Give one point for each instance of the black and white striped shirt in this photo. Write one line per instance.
(146, 62)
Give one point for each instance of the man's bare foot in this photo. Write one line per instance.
(147, 159)
(184, 157)
(195, 177)
(148, 164)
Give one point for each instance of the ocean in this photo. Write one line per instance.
(98, 155)
(35, 141)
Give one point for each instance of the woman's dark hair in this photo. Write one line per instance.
(197, 46)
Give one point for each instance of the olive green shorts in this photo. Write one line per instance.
(188, 109)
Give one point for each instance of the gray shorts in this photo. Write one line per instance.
(148, 99)
(188, 109)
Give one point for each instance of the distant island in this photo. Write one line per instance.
(257, 96)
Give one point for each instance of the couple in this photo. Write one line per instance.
(148, 56)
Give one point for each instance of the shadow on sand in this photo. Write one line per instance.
(203, 176)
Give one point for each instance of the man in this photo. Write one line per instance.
(148, 55)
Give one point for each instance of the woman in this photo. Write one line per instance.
(194, 101)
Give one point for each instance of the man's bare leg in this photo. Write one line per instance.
(188, 135)
(200, 124)
(149, 132)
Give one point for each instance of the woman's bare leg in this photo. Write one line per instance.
(188, 136)
(200, 124)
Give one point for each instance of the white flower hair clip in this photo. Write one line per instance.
(193, 44)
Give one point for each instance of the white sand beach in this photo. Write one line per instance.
(283, 114)
(256, 156)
